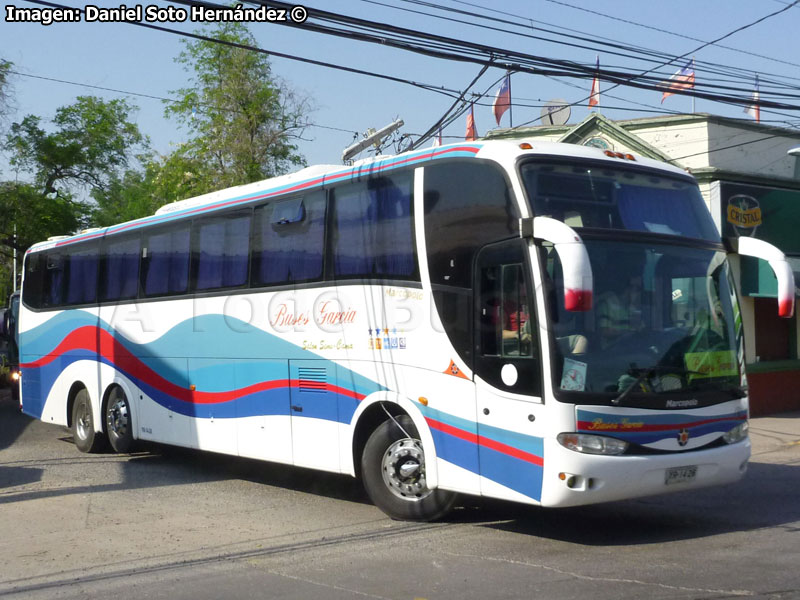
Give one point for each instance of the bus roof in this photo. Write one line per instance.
(318, 176)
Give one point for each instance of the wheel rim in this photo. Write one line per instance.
(403, 470)
(118, 417)
(83, 423)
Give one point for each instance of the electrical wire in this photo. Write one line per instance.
(457, 50)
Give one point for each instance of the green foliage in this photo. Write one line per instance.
(5, 94)
(92, 142)
(88, 149)
(139, 193)
(35, 215)
(243, 122)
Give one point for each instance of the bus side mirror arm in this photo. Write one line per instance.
(746, 246)
(574, 259)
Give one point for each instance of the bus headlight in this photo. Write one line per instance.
(737, 434)
(592, 444)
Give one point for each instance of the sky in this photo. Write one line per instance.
(139, 64)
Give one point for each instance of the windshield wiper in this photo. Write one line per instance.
(645, 373)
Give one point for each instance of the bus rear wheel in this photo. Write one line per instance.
(83, 434)
(393, 471)
(118, 421)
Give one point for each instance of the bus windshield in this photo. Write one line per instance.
(601, 196)
(664, 327)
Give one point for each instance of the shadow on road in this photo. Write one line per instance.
(12, 421)
(196, 465)
(766, 497)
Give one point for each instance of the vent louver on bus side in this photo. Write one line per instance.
(312, 379)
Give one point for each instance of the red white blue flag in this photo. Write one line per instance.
(472, 132)
(754, 110)
(594, 96)
(681, 80)
(502, 100)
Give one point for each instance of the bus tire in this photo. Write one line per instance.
(83, 434)
(119, 425)
(393, 472)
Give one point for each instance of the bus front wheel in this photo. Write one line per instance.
(118, 421)
(83, 434)
(393, 471)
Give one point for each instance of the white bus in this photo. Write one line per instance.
(544, 323)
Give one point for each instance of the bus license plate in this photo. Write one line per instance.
(680, 475)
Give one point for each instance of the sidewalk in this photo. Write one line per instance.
(775, 432)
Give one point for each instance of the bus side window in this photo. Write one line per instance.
(506, 322)
(120, 278)
(81, 275)
(489, 311)
(373, 229)
(165, 259)
(289, 240)
(53, 292)
(515, 313)
(221, 251)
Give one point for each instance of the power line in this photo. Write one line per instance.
(429, 87)
(652, 28)
(693, 93)
(447, 48)
(148, 96)
(457, 50)
(632, 50)
(626, 50)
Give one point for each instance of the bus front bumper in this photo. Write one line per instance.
(574, 479)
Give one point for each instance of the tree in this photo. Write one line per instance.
(35, 216)
(93, 142)
(5, 94)
(243, 121)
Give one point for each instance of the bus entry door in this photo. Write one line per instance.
(508, 377)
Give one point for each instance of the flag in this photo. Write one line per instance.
(594, 97)
(754, 110)
(502, 100)
(681, 80)
(472, 132)
(437, 141)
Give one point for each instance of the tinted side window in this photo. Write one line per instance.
(81, 275)
(221, 251)
(165, 262)
(373, 229)
(34, 289)
(120, 278)
(289, 240)
(506, 324)
(467, 205)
